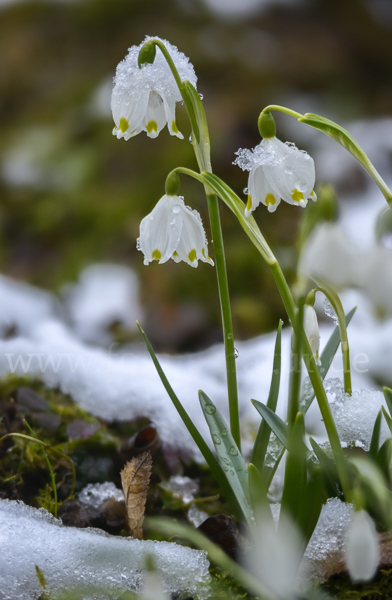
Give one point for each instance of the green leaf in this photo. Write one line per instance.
(387, 418)
(278, 426)
(229, 456)
(326, 359)
(258, 491)
(328, 468)
(295, 469)
(384, 457)
(216, 555)
(388, 398)
(200, 127)
(375, 441)
(345, 139)
(311, 504)
(190, 106)
(263, 434)
(196, 435)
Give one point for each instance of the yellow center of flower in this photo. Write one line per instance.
(297, 196)
(249, 203)
(270, 199)
(192, 255)
(174, 127)
(123, 124)
(156, 255)
(152, 126)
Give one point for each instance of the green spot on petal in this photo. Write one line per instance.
(297, 196)
(156, 255)
(175, 253)
(192, 255)
(123, 124)
(270, 199)
(152, 126)
(249, 203)
(174, 127)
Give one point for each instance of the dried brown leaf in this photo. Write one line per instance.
(135, 479)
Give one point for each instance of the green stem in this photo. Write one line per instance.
(282, 109)
(49, 467)
(200, 140)
(224, 297)
(315, 379)
(295, 375)
(337, 306)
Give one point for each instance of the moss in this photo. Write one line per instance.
(342, 588)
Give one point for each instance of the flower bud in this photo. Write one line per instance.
(362, 548)
(312, 331)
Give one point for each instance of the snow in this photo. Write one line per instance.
(95, 494)
(105, 294)
(86, 559)
(326, 547)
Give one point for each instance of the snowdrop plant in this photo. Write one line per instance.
(153, 77)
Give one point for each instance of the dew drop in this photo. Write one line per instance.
(233, 451)
(176, 209)
(190, 139)
(246, 191)
(210, 409)
(236, 353)
(216, 439)
(224, 432)
(201, 96)
(229, 336)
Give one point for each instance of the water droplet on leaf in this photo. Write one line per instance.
(210, 409)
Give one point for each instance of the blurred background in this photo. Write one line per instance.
(72, 195)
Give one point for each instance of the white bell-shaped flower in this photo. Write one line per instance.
(173, 230)
(312, 331)
(362, 548)
(278, 172)
(145, 99)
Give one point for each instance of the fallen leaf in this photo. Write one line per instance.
(135, 479)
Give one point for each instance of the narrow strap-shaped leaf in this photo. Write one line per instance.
(388, 398)
(326, 359)
(311, 505)
(229, 456)
(328, 467)
(263, 434)
(387, 418)
(295, 469)
(345, 139)
(188, 101)
(375, 441)
(277, 425)
(384, 457)
(196, 435)
(258, 491)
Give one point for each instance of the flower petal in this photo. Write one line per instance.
(312, 331)
(128, 112)
(362, 548)
(160, 231)
(193, 244)
(170, 113)
(155, 119)
(293, 176)
(260, 190)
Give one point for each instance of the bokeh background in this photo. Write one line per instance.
(71, 194)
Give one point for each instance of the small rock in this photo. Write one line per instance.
(28, 400)
(221, 530)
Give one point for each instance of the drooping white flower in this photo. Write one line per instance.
(312, 331)
(173, 230)
(362, 548)
(276, 555)
(277, 171)
(153, 588)
(144, 99)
